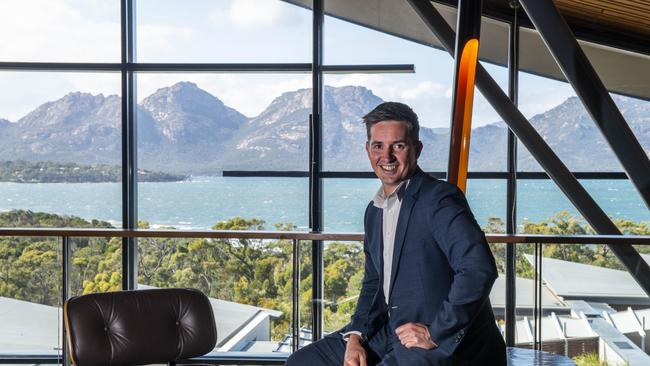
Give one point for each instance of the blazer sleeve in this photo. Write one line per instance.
(364, 317)
(474, 271)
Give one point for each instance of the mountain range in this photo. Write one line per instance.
(184, 129)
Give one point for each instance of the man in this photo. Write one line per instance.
(428, 269)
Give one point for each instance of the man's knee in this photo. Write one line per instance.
(325, 352)
(300, 357)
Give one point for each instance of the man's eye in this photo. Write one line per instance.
(376, 147)
(399, 146)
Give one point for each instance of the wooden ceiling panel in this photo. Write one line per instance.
(614, 15)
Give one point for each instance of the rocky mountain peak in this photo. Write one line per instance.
(181, 96)
(73, 108)
(183, 128)
(186, 113)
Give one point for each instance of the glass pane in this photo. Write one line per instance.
(306, 302)
(248, 281)
(544, 209)
(637, 114)
(203, 124)
(563, 122)
(345, 201)
(619, 199)
(343, 268)
(351, 96)
(541, 206)
(60, 31)
(222, 31)
(194, 128)
(96, 264)
(201, 202)
(489, 139)
(486, 198)
(30, 294)
(63, 132)
(428, 91)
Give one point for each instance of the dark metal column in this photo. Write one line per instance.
(538, 148)
(129, 138)
(315, 159)
(511, 191)
(585, 81)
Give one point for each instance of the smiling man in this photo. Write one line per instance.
(428, 269)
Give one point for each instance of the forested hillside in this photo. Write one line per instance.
(246, 271)
(53, 172)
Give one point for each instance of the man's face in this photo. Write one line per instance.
(392, 155)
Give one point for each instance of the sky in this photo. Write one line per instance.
(237, 31)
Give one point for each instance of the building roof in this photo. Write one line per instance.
(571, 280)
(524, 293)
(621, 71)
(28, 327)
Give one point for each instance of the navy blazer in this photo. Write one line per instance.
(442, 274)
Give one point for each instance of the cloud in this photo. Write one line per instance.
(255, 14)
(162, 42)
(56, 31)
(424, 89)
(539, 100)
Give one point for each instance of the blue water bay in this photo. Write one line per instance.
(201, 202)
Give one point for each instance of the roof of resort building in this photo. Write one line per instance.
(524, 289)
(571, 280)
(28, 326)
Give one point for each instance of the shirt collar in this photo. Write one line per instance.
(379, 200)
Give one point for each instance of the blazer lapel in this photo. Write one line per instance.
(408, 201)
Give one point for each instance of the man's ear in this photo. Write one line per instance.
(418, 149)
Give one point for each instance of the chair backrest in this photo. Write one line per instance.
(139, 327)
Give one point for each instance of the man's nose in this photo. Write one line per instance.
(386, 153)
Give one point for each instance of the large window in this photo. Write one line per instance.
(61, 145)
(223, 112)
(198, 129)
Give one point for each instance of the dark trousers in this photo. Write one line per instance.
(330, 351)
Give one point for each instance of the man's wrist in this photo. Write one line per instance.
(353, 336)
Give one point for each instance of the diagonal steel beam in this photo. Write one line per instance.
(538, 148)
(590, 89)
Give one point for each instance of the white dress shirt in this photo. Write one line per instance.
(390, 206)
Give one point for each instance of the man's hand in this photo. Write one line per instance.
(415, 335)
(355, 354)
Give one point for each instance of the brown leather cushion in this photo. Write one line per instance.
(139, 327)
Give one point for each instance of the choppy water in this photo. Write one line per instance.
(202, 201)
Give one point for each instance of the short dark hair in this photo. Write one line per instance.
(394, 111)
